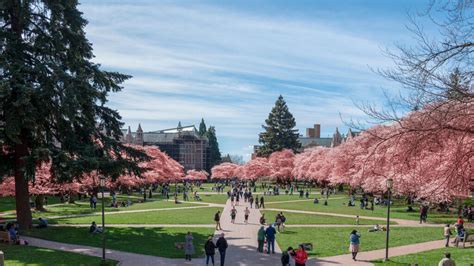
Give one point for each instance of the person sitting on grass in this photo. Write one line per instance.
(447, 261)
(315, 201)
(42, 223)
(375, 229)
(94, 229)
(12, 229)
(262, 219)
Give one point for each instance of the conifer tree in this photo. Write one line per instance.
(279, 131)
(53, 99)
(214, 152)
(202, 128)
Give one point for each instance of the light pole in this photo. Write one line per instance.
(102, 185)
(389, 190)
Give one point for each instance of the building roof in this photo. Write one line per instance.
(167, 135)
(307, 141)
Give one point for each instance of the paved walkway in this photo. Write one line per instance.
(398, 221)
(132, 211)
(242, 238)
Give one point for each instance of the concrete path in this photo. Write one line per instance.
(124, 258)
(398, 221)
(364, 258)
(242, 238)
(131, 211)
(140, 225)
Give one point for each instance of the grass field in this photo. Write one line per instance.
(337, 205)
(462, 257)
(300, 218)
(82, 207)
(335, 241)
(150, 241)
(34, 256)
(202, 215)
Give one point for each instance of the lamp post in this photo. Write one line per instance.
(389, 190)
(102, 185)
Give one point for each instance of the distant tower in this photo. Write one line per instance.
(179, 128)
(129, 137)
(139, 136)
(336, 139)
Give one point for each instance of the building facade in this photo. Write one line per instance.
(183, 144)
(313, 138)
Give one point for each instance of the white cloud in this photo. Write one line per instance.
(193, 61)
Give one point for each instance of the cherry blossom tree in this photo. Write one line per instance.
(256, 168)
(196, 175)
(224, 171)
(281, 163)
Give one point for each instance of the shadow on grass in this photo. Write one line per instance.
(149, 241)
(22, 255)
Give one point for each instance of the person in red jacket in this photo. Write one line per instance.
(300, 256)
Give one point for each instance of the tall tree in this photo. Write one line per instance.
(279, 131)
(214, 152)
(53, 99)
(202, 128)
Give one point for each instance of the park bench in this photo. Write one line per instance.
(468, 238)
(5, 237)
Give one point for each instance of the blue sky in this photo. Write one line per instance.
(228, 61)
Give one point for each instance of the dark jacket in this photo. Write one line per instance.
(270, 233)
(285, 258)
(210, 248)
(221, 244)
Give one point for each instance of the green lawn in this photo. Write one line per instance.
(8, 203)
(34, 256)
(340, 206)
(150, 241)
(335, 241)
(81, 207)
(301, 218)
(203, 215)
(462, 257)
(214, 198)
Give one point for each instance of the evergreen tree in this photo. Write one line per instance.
(53, 99)
(279, 133)
(214, 153)
(202, 128)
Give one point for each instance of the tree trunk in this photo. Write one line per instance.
(71, 198)
(22, 195)
(39, 203)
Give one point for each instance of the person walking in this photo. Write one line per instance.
(261, 239)
(233, 213)
(222, 246)
(447, 234)
(217, 219)
(189, 246)
(210, 249)
(354, 243)
(237, 199)
(246, 215)
(270, 234)
(257, 202)
(423, 214)
(300, 256)
(262, 203)
(251, 202)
